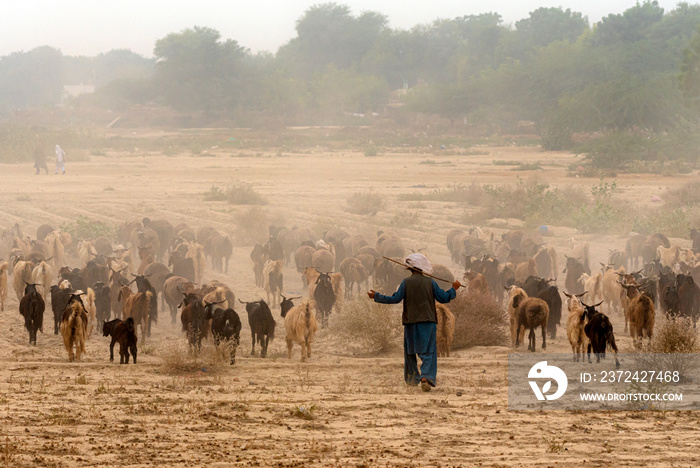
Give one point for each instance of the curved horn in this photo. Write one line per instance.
(598, 304)
(568, 295)
(582, 294)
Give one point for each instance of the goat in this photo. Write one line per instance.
(302, 257)
(612, 289)
(668, 256)
(59, 300)
(173, 289)
(143, 285)
(323, 260)
(91, 309)
(354, 273)
(593, 285)
(31, 307)
(515, 297)
(3, 284)
(21, 276)
(259, 257)
(182, 266)
(124, 333)
(324, 297)
(137, 306)
(445, 329)
(525, 269)
(551, 296)
(195, 251)
(532, 313)
(103, 302)
(74, 323)
(262, 325)
(574, 270)
(116, 281)
(688, 296)
(476, 281)
(600, 335)
(574, 325)
(301, 326)
(195, 322)
(226, 326)
(273, 281)
(641, 314)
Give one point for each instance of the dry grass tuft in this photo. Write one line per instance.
(674, 335)
(178, 359)
(367, 327)
(479, 321)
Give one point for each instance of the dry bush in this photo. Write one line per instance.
(674, 335)
(479, 321)
(239, 194)
(179, 359)
(364, 202)
(366, 326)
(672, 347)
(251, 226)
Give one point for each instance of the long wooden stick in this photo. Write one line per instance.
(424, 273)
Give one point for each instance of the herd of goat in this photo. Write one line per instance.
(517, 270)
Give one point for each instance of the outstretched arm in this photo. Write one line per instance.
(443, 297)
(393, 299)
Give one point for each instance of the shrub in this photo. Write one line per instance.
(178, 359)
(672, 347)
(472, 194)
(405, 219)
(364, 202)
(85, 228)
(239, 194)
(366, 326)
(479, 321)
(371, 150)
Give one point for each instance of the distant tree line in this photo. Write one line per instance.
(633, 78)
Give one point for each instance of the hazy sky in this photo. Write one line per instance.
(89, 27)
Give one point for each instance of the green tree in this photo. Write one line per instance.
(31, 78)
(195, 71)
(690, 72)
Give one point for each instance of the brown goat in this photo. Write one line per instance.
(445, 329)
(74, 324)
(476, 281)
(641, 314)
(532, 313)
(137, 306)
(301, 326)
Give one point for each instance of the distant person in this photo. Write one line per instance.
(419, 293)
(40, 158)
(60, 160)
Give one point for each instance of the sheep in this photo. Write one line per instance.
(445, 329)
(3, 284)
(324, 297)
(641, 314)
(21, 275)
(600, 335)
(220, 292)
(273, 281)
(515, 297)
(262, 325)
(137, 306)
(574, 326)
(124, 333)
(303, 257)
(31, 307)
(43, 231)
(226, 326)
(323, 260)
(173, 289)
(354, 273)
(74, 326)
(301, 326)
(532, 313)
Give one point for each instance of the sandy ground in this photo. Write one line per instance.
(358, 411)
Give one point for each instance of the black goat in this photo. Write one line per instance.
(195, 323)
(599, 331)
(324, 297)
(59, 301)
(103, 301)
(262, 325)
(123, 332)
(32, 309)
(226, 326)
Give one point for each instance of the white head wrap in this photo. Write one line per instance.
(420, 262)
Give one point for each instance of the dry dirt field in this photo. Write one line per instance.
(334, 410)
